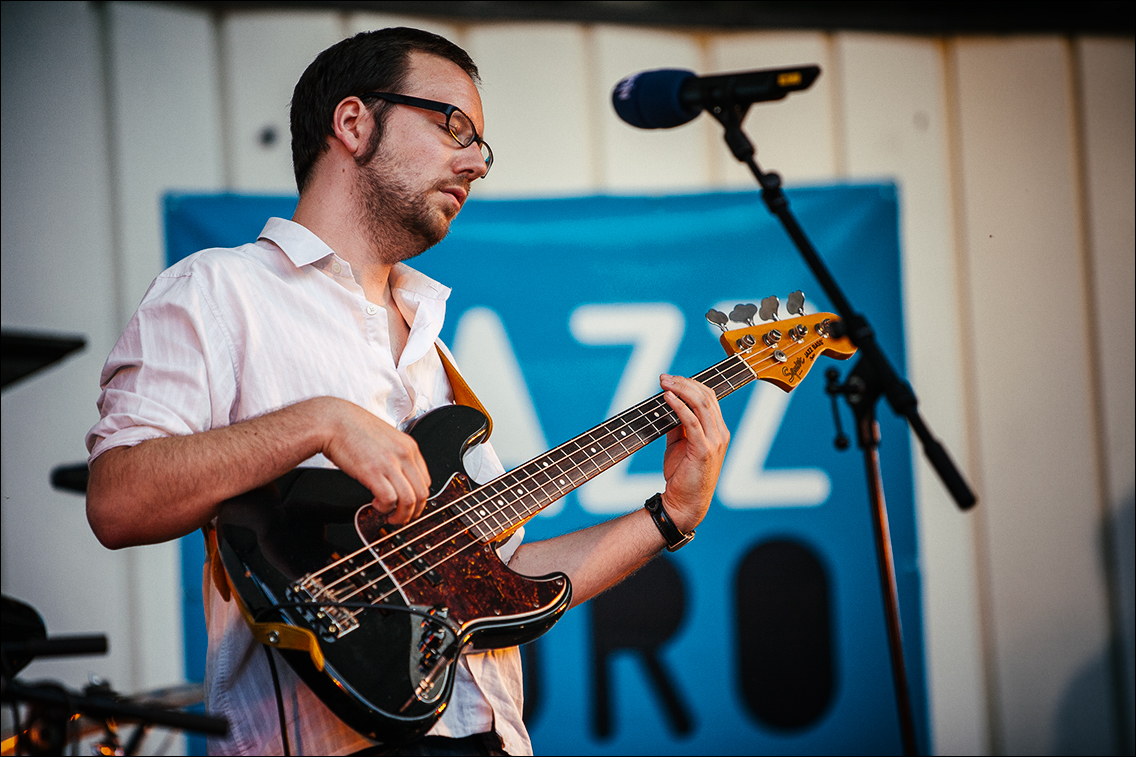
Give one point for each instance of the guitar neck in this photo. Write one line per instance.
(503, 504)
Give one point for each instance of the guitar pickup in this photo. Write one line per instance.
(331, 622)
(408, 557)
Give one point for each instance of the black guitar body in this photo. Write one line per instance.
(386, 673)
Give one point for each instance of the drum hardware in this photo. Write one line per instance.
(57, 716)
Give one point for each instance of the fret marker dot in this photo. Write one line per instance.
(561, 482)
(520, 491)
(593, 449)
(483, 512)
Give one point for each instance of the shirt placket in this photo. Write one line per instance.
(376, 333)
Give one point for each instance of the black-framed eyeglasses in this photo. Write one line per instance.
(459, 125)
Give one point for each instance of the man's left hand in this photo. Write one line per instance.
(695, 450)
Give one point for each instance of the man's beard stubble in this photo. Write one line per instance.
(401, 222)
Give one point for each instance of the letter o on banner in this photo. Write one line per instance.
(784, 632)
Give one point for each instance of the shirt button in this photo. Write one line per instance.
(371, 310)
(336, 267)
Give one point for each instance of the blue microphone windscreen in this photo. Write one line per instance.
(650, 99)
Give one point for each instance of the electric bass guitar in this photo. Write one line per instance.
(372, 616)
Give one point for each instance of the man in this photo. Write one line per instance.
(314, 346)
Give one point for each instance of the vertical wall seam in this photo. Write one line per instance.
(836, 98)
(967, 359)
(1110, 561)
(111, 154)
(597, 175)
(714, 176)
(224, 111)
(113, 158)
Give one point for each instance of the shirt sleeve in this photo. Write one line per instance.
(172, 371)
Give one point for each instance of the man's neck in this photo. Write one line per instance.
(339, 228)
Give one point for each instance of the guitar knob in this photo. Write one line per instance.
(796, 304)
(718, 318)
(743, 313)
(768, 311)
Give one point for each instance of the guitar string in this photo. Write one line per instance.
(473, 542)
(600, 434)
(727, 370)
(736, 358)
(625, 414)
(670, 418)
(720, 368)
(479, 519)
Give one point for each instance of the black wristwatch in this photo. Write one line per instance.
(674, 538)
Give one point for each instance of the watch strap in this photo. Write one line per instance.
(674, 538)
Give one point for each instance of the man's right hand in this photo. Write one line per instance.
(382, 458)
(165, 488)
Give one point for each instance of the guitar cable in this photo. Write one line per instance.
(258, 617)
(279, 700)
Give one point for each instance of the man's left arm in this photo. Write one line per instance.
(599, 557)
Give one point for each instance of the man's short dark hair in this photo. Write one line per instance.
(368, 62)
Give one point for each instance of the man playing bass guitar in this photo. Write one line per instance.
(314, 346)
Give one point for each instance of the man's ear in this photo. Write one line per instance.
(351, 125)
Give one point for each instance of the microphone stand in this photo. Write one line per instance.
(872, 377)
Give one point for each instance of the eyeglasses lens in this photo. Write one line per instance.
(462, 130)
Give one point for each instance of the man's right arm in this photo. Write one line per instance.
(164, 488)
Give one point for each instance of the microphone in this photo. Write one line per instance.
(670, 97)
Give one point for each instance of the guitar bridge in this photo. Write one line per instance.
(332, 622)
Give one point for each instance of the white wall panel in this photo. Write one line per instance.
(1109, 153)
(167, 120)
(797, 136)
(1039, 487)
(58, 277)
(537, 93)
(634, 160)
(264, 54)
(165, 109)
(896, 127)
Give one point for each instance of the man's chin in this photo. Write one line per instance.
(428, 235)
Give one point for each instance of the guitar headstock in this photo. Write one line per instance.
(783, 352)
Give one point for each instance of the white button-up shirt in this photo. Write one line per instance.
(230, 334)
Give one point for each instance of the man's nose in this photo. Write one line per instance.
(472, 161)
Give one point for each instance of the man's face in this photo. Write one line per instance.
(419, 178)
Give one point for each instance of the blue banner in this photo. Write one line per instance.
(766, 633)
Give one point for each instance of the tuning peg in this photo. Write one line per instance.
(746, 342)
(743, 313)
(718, 318)
(768, 309)
(796, 305)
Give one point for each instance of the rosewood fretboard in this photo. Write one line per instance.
(509, 500)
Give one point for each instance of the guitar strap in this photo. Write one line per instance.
(463, 395)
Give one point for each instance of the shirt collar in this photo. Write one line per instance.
(303, 248)
(298, 242)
